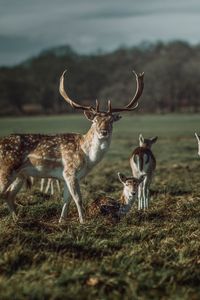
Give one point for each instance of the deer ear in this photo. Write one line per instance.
(89, 115)
(122, 177)
(154, 139)
(197, 136)
(141, 139)
(116, 117)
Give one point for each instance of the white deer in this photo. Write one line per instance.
(68, 157)
(198, 141)
(143, 162)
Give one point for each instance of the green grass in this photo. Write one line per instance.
(147, 255)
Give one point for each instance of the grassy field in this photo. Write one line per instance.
(147, 255)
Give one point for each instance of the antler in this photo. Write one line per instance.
(129, 107)
(134, 102)
(70, 101)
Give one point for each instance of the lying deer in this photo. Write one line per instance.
(143, 162)
(117, 208)
(198, 141)
(68, 157)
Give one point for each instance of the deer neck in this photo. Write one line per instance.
(94, 147)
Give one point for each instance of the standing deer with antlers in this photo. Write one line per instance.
(68, 157)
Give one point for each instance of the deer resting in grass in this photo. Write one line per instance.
(68, 157)
(116, 208)
(198, 141)
(143, 162)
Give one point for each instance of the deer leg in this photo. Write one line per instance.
(146, 192)
(58, 185)
(74, 189)
(147, 195)
(139, 192)
(4, 184)
(52, 187)
(42, 185)
(139, 196)
(66, 197)
(14, 188)
(143, 196)
(48, 185)
(149, 179)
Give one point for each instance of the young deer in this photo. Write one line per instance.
(116, 208)
(143, 162)
(68, 157)
(198, 141)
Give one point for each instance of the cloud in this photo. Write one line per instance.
(27, 27)
(16, 48)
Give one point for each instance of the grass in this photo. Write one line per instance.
(148, 255)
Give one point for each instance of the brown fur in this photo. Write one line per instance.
(140, 151)
(104, 206)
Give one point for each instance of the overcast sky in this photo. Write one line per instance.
(29, 26)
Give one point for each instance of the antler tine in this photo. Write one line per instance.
(66, 97)
(109, 107)
(139, 89)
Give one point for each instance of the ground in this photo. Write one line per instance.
(147, 255)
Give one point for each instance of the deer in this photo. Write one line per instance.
(198, 141)
(117, 208)
(68, 157)
(143, 162)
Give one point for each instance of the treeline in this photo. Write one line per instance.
(172, 79)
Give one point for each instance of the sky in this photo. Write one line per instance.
(29, 26)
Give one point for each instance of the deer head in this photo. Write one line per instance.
(103, 120)
(130, 189)
(147, 143)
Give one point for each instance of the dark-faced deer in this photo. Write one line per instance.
(68, 157)
(143, 162)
